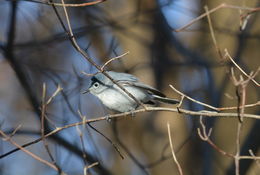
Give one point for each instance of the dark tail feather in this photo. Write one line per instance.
(165, 99)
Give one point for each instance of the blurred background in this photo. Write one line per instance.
(34, 49)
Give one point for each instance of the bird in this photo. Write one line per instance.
(116, 99)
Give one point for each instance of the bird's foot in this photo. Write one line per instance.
(132, 114)
(108, 118)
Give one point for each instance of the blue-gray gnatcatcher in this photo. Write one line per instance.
(114, 98)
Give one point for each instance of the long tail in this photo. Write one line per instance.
(165, 99)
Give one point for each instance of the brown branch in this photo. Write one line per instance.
(173, 154)
(77, 5)
(67, 5)
(204, 135)
(109, 140)
(238, 140)
(255, 158)
(227, 55)
(112, 59)
(103, 135)
(43, 113)
(105, 64)
(183, 96)
(7, 138)
(241, 85)
(86, 168)
(82, 143)
(123, 115)
(191, 99)
(212, 33)
(15, 130)
(235, 107)
(245, 17)
(223, 5)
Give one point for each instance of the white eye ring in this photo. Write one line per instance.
(96, 84)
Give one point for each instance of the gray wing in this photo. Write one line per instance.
(118, 76)
(130, 80)
(143, 86)
(115, 75)
(156, 94)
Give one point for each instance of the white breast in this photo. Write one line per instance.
(117, 100)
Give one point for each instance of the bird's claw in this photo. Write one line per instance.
(132, 114)
(108, 118)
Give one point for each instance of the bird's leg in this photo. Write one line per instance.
(108, 118)
(178, 109)
(132, 114)
(107, 115)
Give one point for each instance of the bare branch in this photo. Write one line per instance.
(223, 5)
(59, 88)
(28, 152)
(204, 135)
(173, 154)
(77, 5)
(212, 33)
(43, 112)
(112, 59)
(191, 99)
(255, 158)
(86, 168)
(123, 115)
(183, 96)
(84, 4)
(235, 107)
(241, 70)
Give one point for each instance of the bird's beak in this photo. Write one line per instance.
(86, 91)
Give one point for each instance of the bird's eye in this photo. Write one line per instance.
(96, 85)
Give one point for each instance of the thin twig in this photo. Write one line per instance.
(43, 112)
(28, 152)
(173, 154)
(212, 33)
(241, 70)
(209, 106)
(105, 64)
(238, 140)
(112, 59)
(245, 17)
(86, 168)
(77, 5)
(67, 5)
(103, 135)
(82, 144)
(235, 107)
(205, 136)
(191, 99)
(59, 88)
(89, 75)
(15, 130)
(223, 5)
(255, 158)
(109, 140)
(241, 85)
